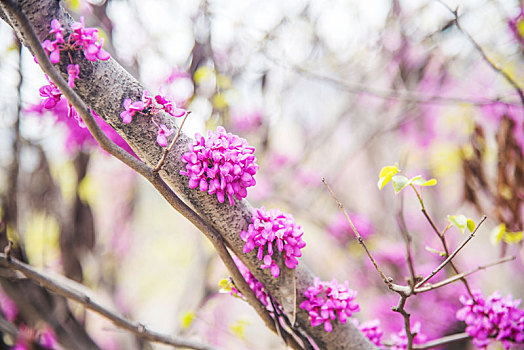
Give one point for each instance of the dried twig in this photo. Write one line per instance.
(119, 321)
(171, 145)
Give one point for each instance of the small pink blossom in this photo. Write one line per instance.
(130, 109)
(327, 301)
(51, 93)
(272, 231)
(254, 284)
(162, 134)
(87, 40)
(72, 73)
(371, 330)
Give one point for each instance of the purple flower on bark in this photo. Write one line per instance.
(327, 301)
(51, 94)
(87, 40)
(130, 109)
(254, 284)
(371, 330)
(495, 317)
(169, 106)
(222, 164)
(162, 134)
(274, 227)
(72, 73)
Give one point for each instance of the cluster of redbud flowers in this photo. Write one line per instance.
(152, 106)
(492, 318)
(222, 164)
(254, 284)
(82, 39)
(327, 301)
(274, 227)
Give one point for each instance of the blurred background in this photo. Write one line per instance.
(334, 89)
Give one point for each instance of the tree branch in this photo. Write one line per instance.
(72, 294)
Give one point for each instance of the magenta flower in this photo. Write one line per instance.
(8, 307)
(371, 330)
(399, 341)
(87, 40)
(169, 106)
(495, 317)
(274, 227)
(72, 73)
(130, 109)
(162, 134)
(53, 50)
(222, 164)
(327, 301)
(51, 93)
(254, 284)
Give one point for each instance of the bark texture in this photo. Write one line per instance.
(104, 86)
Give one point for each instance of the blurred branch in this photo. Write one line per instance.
(72, 294)
(404, 96)
(482, 52)
(452, 279)
(442, 341)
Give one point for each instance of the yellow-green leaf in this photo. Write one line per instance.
(497, 233)
(471, 225)
(459, 221)
(225, 285)
(399, 182)
(420, 181)
(187, 319)
(513, 237)
(386, 174)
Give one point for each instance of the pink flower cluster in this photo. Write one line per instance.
(85, 39)
(153, 107)
(268, 227)
(29, 337)
(371, 330)
(399, 341)
(325, 301)
(254, 284)
(495, 317)
(222, 164)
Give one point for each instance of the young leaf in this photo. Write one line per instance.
(386, 173)
(399, 182)
(459, 221)
(513, 237)
(420, 181)
(471, 225)
(497, 234)
(435, 251)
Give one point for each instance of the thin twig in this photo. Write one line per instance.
(386, 280)
(408, 239)
(442, 341)
(442, 238)
(107, 144)
(167, 150)
(119, 321)
(479, 48)
(400, 308)
(452, 255)
(452, 279)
